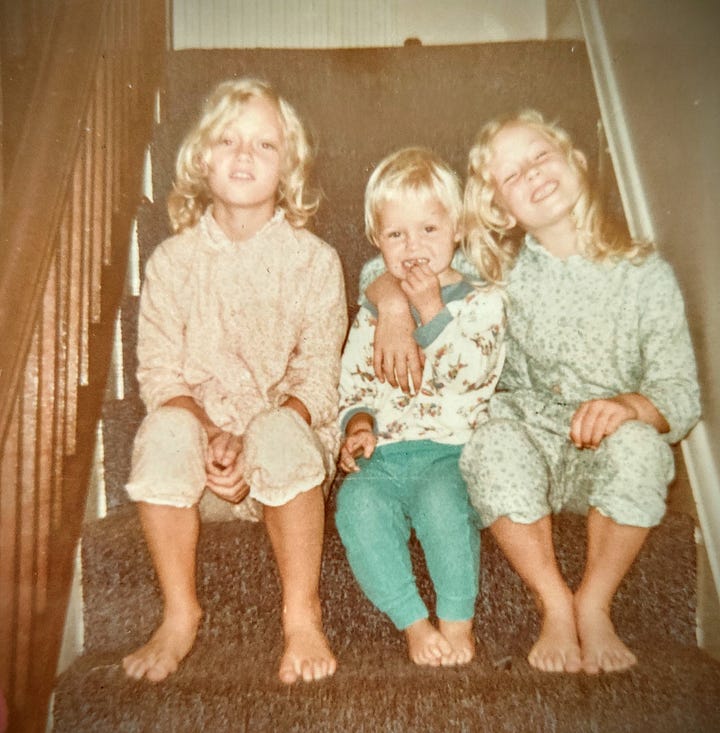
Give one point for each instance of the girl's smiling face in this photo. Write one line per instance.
(535, 180)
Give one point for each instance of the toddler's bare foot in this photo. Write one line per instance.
(557, 648)
(307, 655)
(460, 637)
(602, 649)
(167, 647)
(426, 645)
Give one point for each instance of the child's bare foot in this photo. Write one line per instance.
(307, 655)
(167, 647)
(557, 648)
(460, 637)
(602, 649)
(426, 645)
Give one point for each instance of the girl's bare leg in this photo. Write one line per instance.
(529, 548)
(296, 534)
(172, 536)
(612, 548)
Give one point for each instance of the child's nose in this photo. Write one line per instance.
(532, 171)
(411, 240)
(243, 149)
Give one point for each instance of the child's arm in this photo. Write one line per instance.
(161, 329)
(396, 356)
(465, 349)
(358, 392)
(310, 383)
(423, 290)
(161, 346)
(295, 404)
(668, 395)
(189, 404)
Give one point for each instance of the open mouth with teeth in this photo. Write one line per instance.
(541, 193)
(409, 264)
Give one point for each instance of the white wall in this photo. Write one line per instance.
(662, 99)
(471, 21)
(348, 23)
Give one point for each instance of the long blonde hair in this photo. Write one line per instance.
(493, 239)
(190, 194)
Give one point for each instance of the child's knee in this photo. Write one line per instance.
(506, 473)
(357, 500)
(634, 470)
(638, 454)
(444, 505)
(168, 462)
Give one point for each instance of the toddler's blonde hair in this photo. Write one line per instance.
(191, 195)
(493, 238)
(416, 170)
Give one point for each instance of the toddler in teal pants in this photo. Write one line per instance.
(401, 449)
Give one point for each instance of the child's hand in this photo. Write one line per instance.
(395, 352)
(360, 443)
(596, 419)
(396, 355)
(422, 287)
(224, 467)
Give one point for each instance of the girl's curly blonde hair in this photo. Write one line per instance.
(190, 194)
(493, 238)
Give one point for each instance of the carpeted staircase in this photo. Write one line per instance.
(362, 104)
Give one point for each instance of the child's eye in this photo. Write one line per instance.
(430, 228)
(510, 177)
(267, 145)
(393, 235)
(541, 155)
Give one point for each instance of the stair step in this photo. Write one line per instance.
(239, 588)
(230, 685)
(228, 682)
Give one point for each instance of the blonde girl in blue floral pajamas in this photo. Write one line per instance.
(401, 451)
(600, 378)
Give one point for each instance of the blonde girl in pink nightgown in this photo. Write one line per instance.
(242, 318)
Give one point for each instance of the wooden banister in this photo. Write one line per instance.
(67, 208)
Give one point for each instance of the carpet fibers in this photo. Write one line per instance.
(228, 682)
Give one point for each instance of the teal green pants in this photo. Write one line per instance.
(413, 485)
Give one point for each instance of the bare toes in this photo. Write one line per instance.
(307, 656)
(166, 648)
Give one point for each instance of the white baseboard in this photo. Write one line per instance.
(705, 483)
